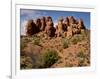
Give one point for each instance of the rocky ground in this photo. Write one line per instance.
(39, 51)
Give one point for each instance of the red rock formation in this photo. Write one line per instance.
(66, 21)
(60, 27)
(69, 31)
(38, 25)
(69, 27)
(71, 20)
(30, 28)
(43, 23)
(81, 24)
(49, 30)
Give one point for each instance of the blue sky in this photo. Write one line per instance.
(26, 14)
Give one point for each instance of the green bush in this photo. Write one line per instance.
(49, 58)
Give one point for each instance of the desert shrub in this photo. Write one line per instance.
(49, 58)
(81, 62)
(76, 38)
(86, 34)
(65, 43)
(23, 42)
(81, 54)
(36, 40)
(74, 41)
(26, 62)
(81, 58)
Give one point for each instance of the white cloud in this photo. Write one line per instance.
(31, 14)
(55, 24)
(23, 24)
